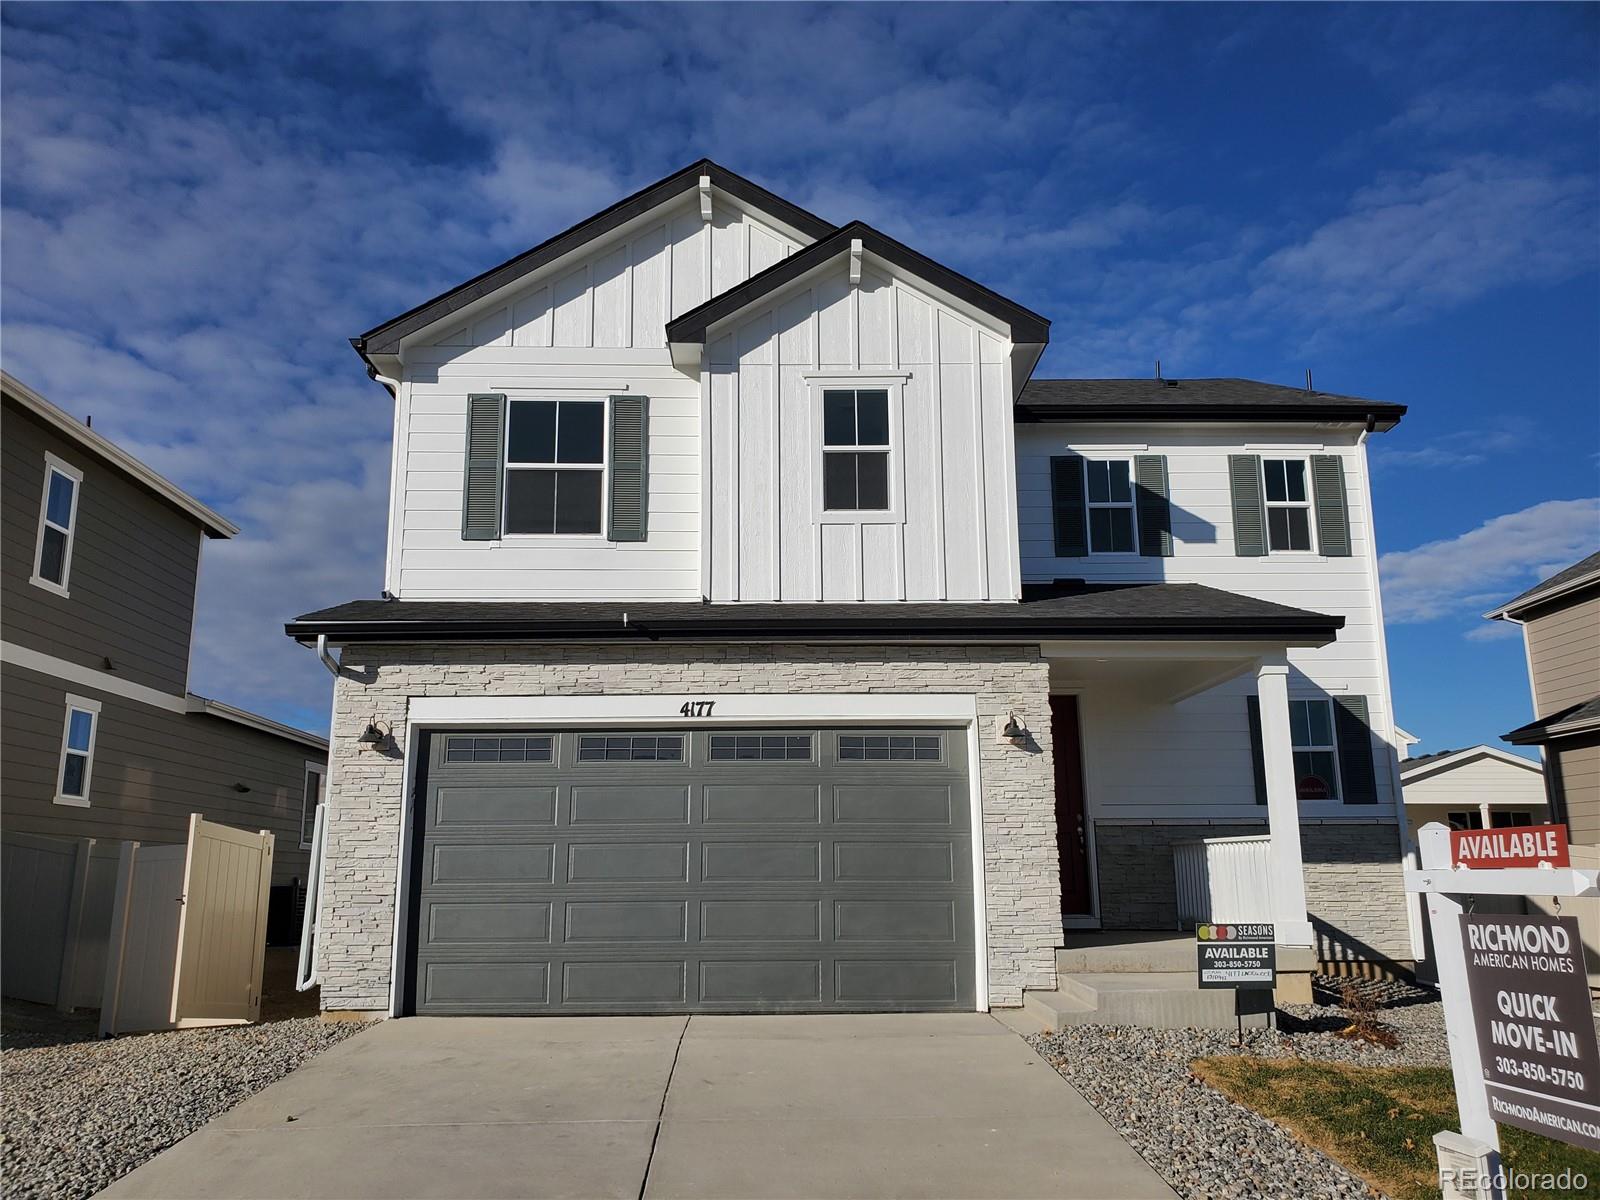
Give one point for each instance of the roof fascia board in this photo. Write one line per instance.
(213, 522)
(1540, 599)
(384, 338)
(1209, 414)
(1550, 733)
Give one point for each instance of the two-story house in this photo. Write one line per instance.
(100, 736)
(759, 635)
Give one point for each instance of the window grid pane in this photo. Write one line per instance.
(629, 748)
(53, 555)
(73, 774)
(79, 728)
(58, 509)
(889, 748)
(498, 749)
(762, 747)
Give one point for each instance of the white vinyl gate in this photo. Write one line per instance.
(188, 931)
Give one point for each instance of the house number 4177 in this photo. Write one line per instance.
(697, 708)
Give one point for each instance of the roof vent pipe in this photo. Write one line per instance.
(1158, 370)
(1308, 379)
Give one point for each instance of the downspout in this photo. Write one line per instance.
(328, 660)
(307, 975)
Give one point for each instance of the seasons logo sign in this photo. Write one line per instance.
(1236, 956)
(1497, 848)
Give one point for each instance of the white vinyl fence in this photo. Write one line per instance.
(55, 912)
(1223, 880)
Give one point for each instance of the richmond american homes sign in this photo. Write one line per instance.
(1535, 1024)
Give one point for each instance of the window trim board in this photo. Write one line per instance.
(92, 707)
(893, 384)
(55, 464)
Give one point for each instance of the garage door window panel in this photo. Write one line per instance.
(598, 748)
(498, 749)
(890, 747)
(760, 747)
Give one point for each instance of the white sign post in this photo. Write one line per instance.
(1470, 1161)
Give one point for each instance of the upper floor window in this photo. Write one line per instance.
(310, 801)
(1316, 761)
(555, 466)
(58, 518)
(1108, 488)
(855, 450)
(77, 751)
(1288, 504)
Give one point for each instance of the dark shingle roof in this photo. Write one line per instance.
(1556, 582)
(1152, 610)
(1195, 399)
(1580, 718)
(1422, 758)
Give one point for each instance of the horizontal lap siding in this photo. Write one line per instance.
(132, 574)
(1577, 766)
(1157, 761)
(597, 322)
(1564, 656)
(1486, 780)
(152, 768)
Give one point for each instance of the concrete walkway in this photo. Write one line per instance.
(931, 1105)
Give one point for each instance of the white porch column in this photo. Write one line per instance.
(1285, 866)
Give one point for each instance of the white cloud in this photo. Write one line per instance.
(1463, 576)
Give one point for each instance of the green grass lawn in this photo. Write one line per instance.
(1380, 1122)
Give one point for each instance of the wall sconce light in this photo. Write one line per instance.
(375, 736)
(1013, 731)
(241, 788)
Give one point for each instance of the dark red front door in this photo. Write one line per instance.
(1071, 838)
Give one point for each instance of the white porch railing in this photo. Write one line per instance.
(1223, 880)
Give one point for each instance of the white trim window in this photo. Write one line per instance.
(75, 775)
(310, 800)
(555, 467)
(1288, 501)
(58, 519)
(857, 446)
(1316, 757)
(1108, 496)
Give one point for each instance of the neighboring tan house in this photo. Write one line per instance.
(1480, 787)
(100, 736)
(1560, 620)
(759, 635)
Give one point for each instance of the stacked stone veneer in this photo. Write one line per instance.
(1021, 879)
(1354, 889)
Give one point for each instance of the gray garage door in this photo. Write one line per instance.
(597, 871)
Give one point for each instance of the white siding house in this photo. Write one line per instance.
(760, 634)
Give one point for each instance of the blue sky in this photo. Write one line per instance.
(201, 203)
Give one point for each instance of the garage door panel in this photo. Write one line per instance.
(533, 862)
(458, 923)
(623, 983)
(762, 803)
(654, 879)
(504, 806)
(768, 861)
(761, 920)
(621, 803)
(624, 862)
(761, 982)
(626, 921)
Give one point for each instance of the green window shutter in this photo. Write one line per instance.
(1067, 506)
(1150, 498)
(1333, 512)
(480, 493)
(1249, 513)
(1258, 760)
(628, 509)
(1353, 734)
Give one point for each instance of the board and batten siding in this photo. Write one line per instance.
(152, 768)
(1192, 759)
(131, 580)
(1564, 656)
(953, 536)
(583, 330)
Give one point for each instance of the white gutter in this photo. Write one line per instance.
(306, 972)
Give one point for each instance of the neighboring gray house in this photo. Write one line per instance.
(99, 733)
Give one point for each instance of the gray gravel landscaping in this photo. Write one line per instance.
(79, 1112)
(1203, 1144)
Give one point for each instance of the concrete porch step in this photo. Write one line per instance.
(1151, 999)
(1099, 953)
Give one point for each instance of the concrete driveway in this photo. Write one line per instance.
(741, 1107)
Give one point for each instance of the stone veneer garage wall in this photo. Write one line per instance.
(1354, 889)
(1021, 879)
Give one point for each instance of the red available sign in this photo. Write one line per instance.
(1523, 846)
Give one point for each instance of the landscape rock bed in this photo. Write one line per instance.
(1203, 1144)
(80, 1113)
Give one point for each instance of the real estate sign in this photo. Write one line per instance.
(1535, 1027)
(1236, 956)
(1525, 846)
